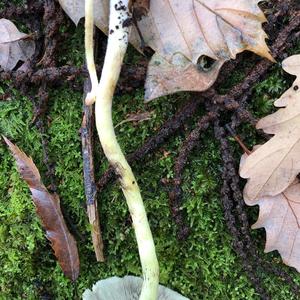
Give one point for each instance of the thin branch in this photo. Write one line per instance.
(89, 175)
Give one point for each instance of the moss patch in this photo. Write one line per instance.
(202, 267)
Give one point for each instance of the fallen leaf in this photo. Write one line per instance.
(182, 32)
(164, 78)
(14, 45)
(275, 165)
(48, 210)
(189, 30)
(217, 29)
(280, 216)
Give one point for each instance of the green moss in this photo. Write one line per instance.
(202, 267)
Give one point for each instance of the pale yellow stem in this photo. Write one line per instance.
(89, 50)
(116, 49)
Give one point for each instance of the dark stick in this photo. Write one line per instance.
(89, 174)
(175, 194)
(240, 248)
(89, 171)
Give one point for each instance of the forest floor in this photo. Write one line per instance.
(205, 264)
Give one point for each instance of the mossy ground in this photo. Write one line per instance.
(202, 267)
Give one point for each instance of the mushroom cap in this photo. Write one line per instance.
(126, 288)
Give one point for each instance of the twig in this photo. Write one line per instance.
(89, 175)
(87, 146)
(237, 139)
(175, 195)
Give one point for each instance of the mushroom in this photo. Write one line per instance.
(102, 94)
(126, 288)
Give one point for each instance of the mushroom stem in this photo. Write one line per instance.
(89, 50)
(116, 49)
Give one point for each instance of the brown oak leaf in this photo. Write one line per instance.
(280, 216)
(183, 32)
(275, 165)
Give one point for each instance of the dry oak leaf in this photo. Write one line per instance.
(183, 32)
(280, 216)
(48, 210)
(14, 45)
(275, 165)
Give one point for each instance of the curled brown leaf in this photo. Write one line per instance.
(48, 209)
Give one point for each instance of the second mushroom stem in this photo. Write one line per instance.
(116, 49)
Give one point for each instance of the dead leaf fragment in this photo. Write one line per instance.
(14, 45)
(164, 78)
(181, 32)
(275, 165)
(280, 216)
(218, 29)
(191, 29)
(48, 210)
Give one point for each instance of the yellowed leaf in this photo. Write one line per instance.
(275, 165)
